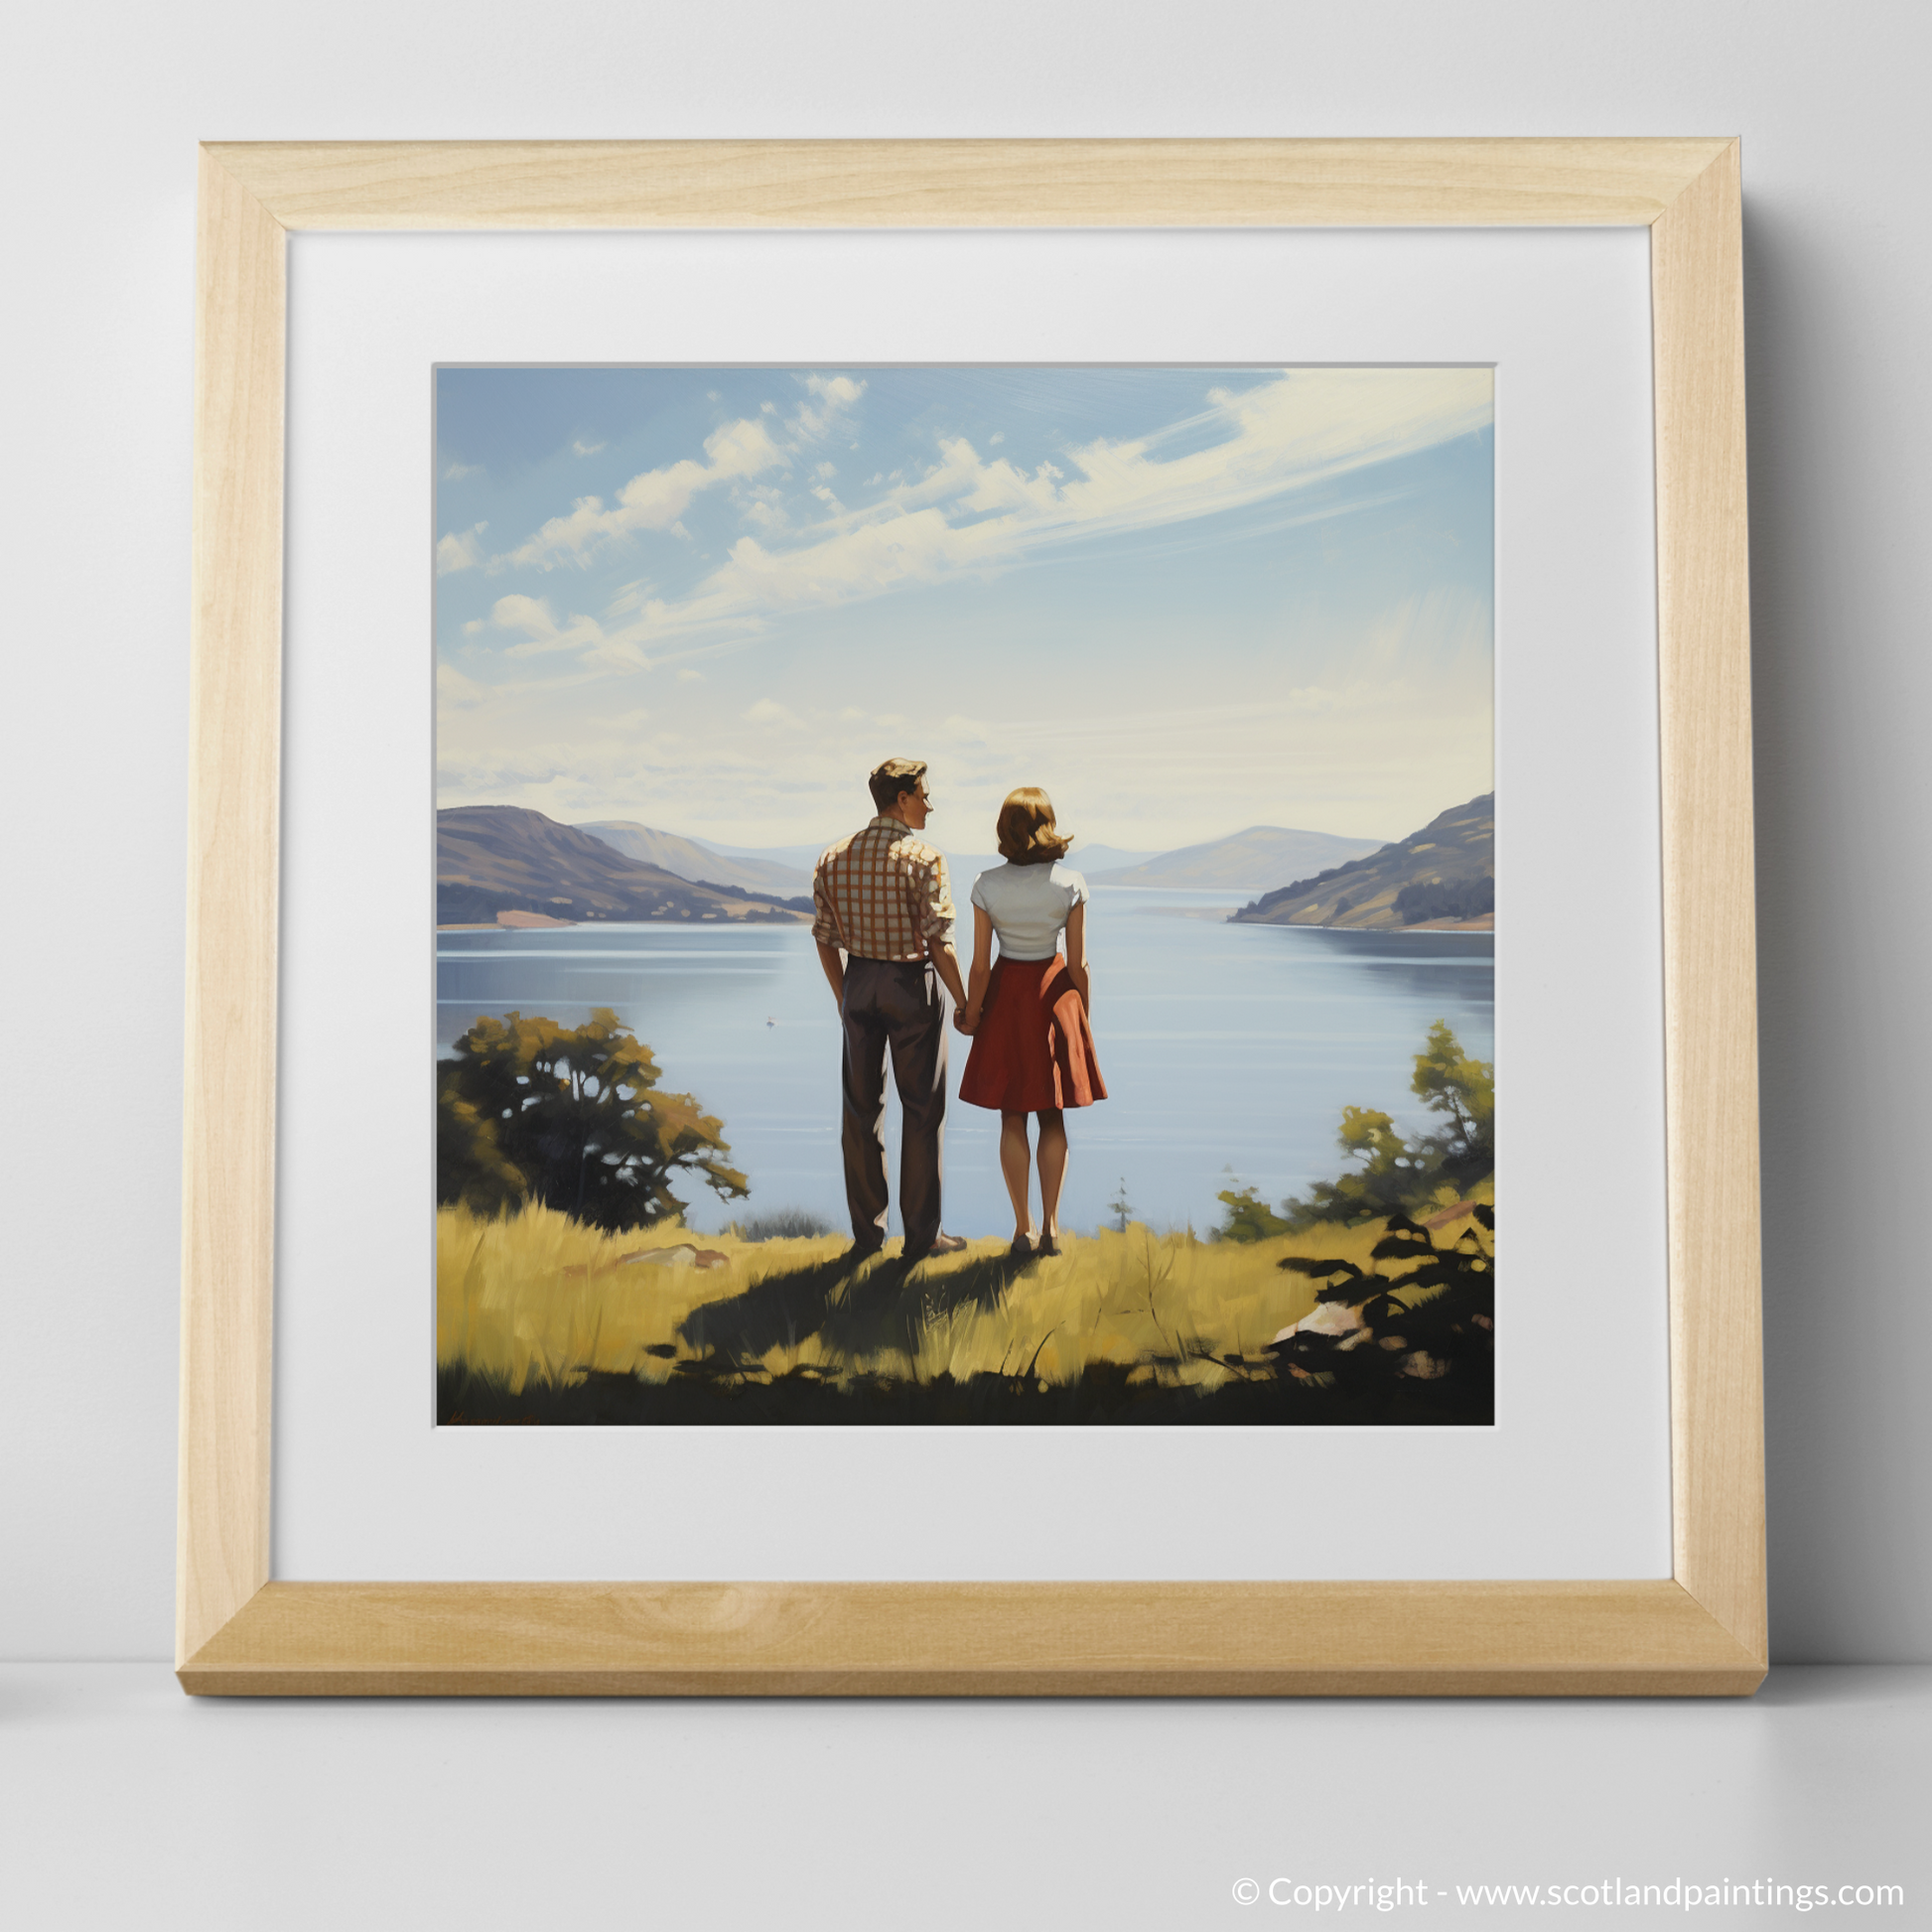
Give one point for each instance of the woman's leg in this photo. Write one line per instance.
(1012, 1165)
(1052, 1167)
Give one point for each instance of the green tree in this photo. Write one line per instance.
(1389, 1172)
(471, 1170)
(1392, 1175)
(1448, 1082)
(1248, 1217)
(575, 1113)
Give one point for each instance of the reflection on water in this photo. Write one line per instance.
(1223, 1047)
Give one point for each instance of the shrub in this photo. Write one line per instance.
(1393, 1174)
(1435, 1320)
(573, 1115)
(783, 1224)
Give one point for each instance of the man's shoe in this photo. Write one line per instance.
(942, 1244)
(861, 1251)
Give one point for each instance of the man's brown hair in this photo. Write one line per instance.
(1025, 827)
(892, 780)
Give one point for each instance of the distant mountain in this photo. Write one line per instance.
(800, 856)
(1250, 861)
(1090, 861)
(689, 859)
(493, 859)
(961, 866)
(1443, 875)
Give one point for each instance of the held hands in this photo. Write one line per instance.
(966, 1019)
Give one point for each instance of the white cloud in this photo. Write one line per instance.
(762, 506)
(455, 692)
(830, 396)
(542, 635)
(458, 471)
(970, 515)
(767, 711)
(689, 676)
(464, 552)
(654, 499)
(826, 471)
(586, 449)
(1304, 428)
(997, 436)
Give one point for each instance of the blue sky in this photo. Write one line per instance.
(1184, 601)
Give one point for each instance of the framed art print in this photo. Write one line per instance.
(1026, 815)
(1209, 613)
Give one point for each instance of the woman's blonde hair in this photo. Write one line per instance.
(1025, 826)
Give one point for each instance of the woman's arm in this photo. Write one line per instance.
(1076, 954)
(969, 1017)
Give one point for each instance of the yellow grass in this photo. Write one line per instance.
(538, 1295)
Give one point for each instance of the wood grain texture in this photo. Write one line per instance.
(1709, 933)
(962, 183)
(988, 1639)
(234, 761)
(1703, 1633)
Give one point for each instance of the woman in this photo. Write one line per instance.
(1032, 1051)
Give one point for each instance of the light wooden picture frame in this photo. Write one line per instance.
(1701, 1631)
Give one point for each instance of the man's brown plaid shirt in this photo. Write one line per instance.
(881, 894)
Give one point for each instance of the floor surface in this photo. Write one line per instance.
(124, 1803)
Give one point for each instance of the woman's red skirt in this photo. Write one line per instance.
(1033, 1049)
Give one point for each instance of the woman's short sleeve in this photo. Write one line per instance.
(978, 895)
(1077, 884)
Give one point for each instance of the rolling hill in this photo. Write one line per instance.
(1443, 875)
(1252, 860)
(688, 860)
(493, 859)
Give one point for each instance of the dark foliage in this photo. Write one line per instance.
(715, 1393)
(1433, 1320)
(1453, 898)
(570, 1117)
(1283, 893)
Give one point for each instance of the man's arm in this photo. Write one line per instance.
(940, 951)
(968, 1017)
(833, 962)
(936, 917)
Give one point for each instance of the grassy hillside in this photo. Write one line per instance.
(539, 1318)
(1443, 875)
(491, 858)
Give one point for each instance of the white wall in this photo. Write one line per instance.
(100, 132)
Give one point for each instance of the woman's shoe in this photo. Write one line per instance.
(1050, 1244)
(1023, 1247)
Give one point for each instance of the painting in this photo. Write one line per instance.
(965, 896)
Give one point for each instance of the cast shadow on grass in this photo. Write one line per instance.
(856, 1309)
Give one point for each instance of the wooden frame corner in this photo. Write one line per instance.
(1702, 1633)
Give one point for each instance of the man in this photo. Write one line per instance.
(882, 896)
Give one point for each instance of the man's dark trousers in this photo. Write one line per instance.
(896, 1004)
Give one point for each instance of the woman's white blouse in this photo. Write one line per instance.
(1028, 905)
